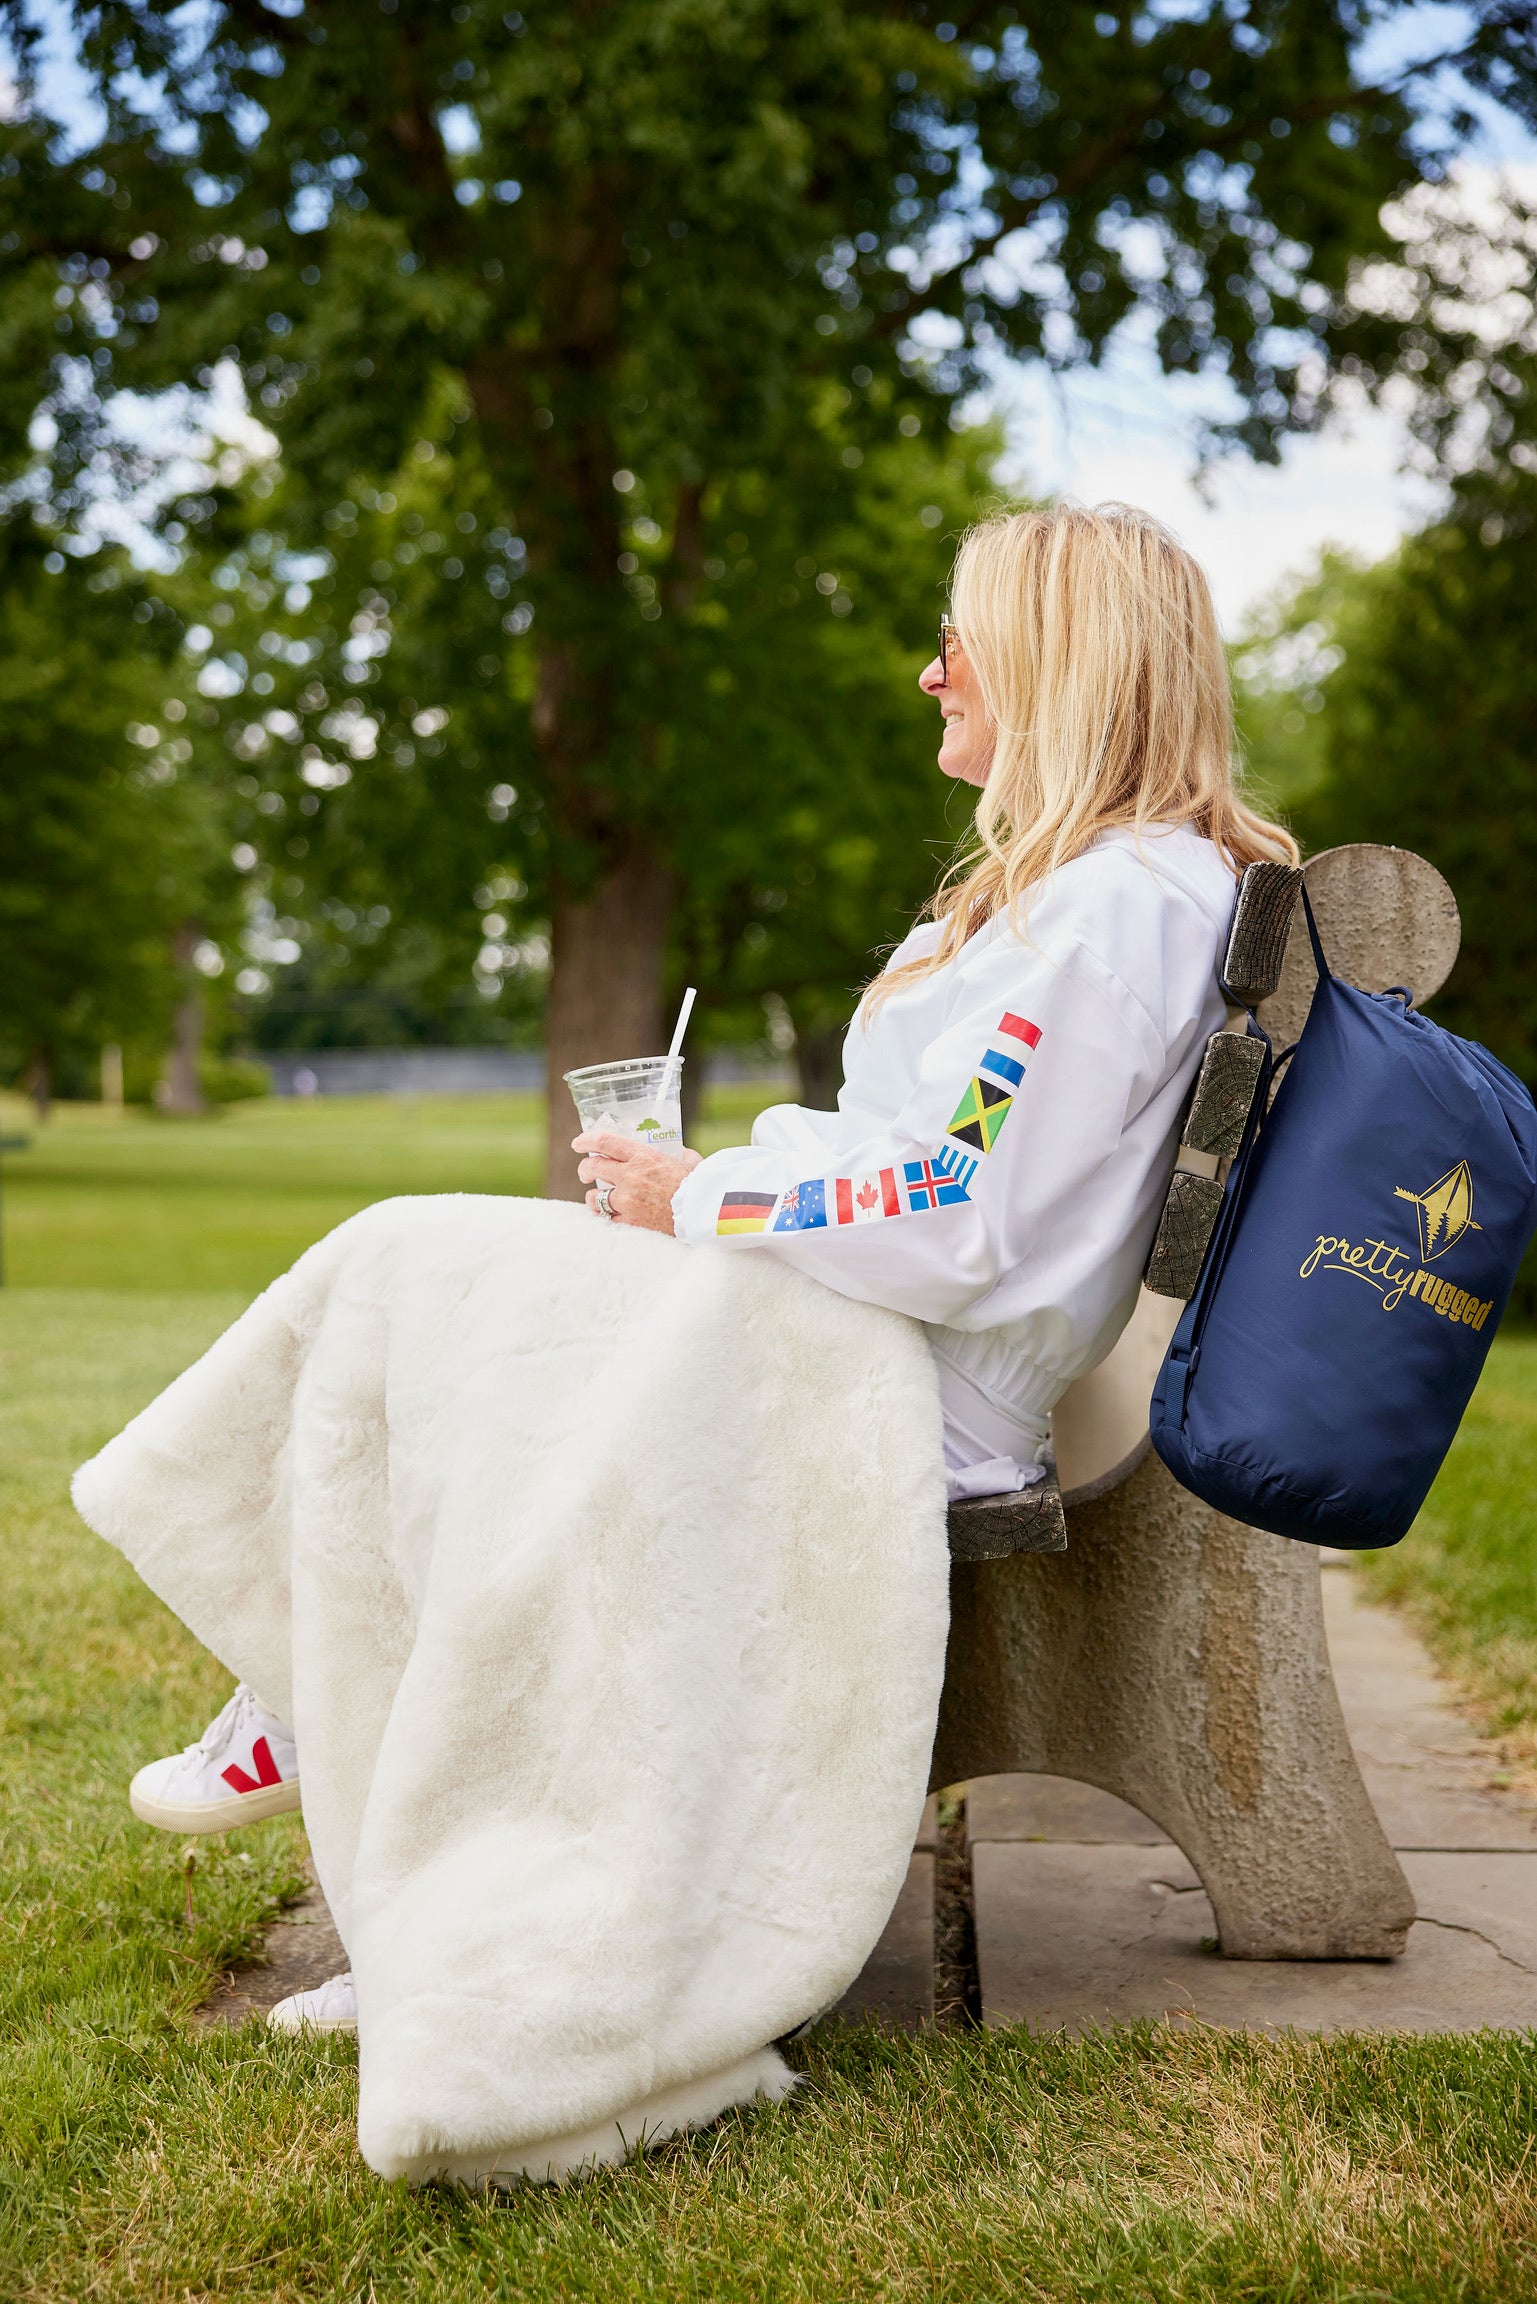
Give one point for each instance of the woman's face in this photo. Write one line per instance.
(966, 752)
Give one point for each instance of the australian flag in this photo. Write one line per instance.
(803, 1208)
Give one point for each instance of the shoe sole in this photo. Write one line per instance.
(215, 1815)
(311, 2024)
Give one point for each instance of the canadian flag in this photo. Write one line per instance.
(865, 1199)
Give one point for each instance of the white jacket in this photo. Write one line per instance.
(1006, 1127)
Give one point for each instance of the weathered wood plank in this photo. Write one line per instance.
(1185, 1227)
(1256, 944)
(1024, 1520)
(1224, 1094)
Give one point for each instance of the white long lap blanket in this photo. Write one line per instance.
(604, 1583)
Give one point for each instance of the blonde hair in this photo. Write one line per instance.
(1092, 638)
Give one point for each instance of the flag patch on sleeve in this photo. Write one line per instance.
(928, 1186)
(866, 1199)
(958, 1165)
(803, 1208)
(744, 1212)
(980, 1114)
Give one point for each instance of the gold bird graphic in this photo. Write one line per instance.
(1446, 1211)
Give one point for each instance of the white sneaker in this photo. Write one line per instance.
(243, 1767)
(331, 2007)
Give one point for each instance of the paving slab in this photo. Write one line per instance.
(1087, 1915)
(1073, 1938)
(1054, 1808)
(896, 1984)
(1491, 1894)
(1432, 1781)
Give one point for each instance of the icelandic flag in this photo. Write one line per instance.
(929, 1187)
(803, 1208)
(866, 1199)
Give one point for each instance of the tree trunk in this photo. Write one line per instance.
(819, 1061)
(607, 949)
(38, 1083)
(180, 1089)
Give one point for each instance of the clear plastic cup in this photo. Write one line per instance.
(641, 1097)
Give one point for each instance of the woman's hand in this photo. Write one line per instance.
(642, 1179)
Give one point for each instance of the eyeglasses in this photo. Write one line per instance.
(946, 636)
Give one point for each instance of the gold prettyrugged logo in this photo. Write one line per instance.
(1445, 1214)
(1446, 1210)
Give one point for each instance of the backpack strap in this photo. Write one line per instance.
(1229, 1087)
(1184, 1353)
(1317, 942)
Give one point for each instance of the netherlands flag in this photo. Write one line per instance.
(1010, 1066)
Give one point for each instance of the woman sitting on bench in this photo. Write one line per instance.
(1013, 1078)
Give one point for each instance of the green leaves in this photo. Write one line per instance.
(105, 847)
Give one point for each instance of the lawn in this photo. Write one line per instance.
(143, 2158)
(125, 1199)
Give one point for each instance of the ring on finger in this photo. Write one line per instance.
(605, 1192)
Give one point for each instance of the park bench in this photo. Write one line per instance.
(1106, 1625)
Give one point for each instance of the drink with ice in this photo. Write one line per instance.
(641, 1097)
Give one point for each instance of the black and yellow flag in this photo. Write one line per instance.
(980, 1115)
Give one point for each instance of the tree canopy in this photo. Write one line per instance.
(109, 852)
(620, 266)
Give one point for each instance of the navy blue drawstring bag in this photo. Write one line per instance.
(1373, 1226)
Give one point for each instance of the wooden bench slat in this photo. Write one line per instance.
(1224, 1094)
(1023, 1520)
(1189, 1217)
(1256, 944)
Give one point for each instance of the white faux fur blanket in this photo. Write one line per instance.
(604, 1582)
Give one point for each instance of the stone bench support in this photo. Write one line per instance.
(1178, 1659)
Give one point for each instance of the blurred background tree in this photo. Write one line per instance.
(1398, 701)
(592, 280)
(114, 874)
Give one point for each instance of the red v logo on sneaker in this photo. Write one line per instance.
(266, 1770)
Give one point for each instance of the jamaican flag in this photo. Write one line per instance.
(980, 1115)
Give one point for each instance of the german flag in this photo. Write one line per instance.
(745, 1211)
(980, 1115)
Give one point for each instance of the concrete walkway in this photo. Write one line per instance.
(1086, 1914)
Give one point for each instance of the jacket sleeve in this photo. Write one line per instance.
(1018, 1105)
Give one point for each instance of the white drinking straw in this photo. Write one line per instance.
(679, 1029)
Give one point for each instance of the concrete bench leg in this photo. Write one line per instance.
(1178, 1659)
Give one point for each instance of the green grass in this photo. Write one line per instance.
(143, 2158)
(108, 1199)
